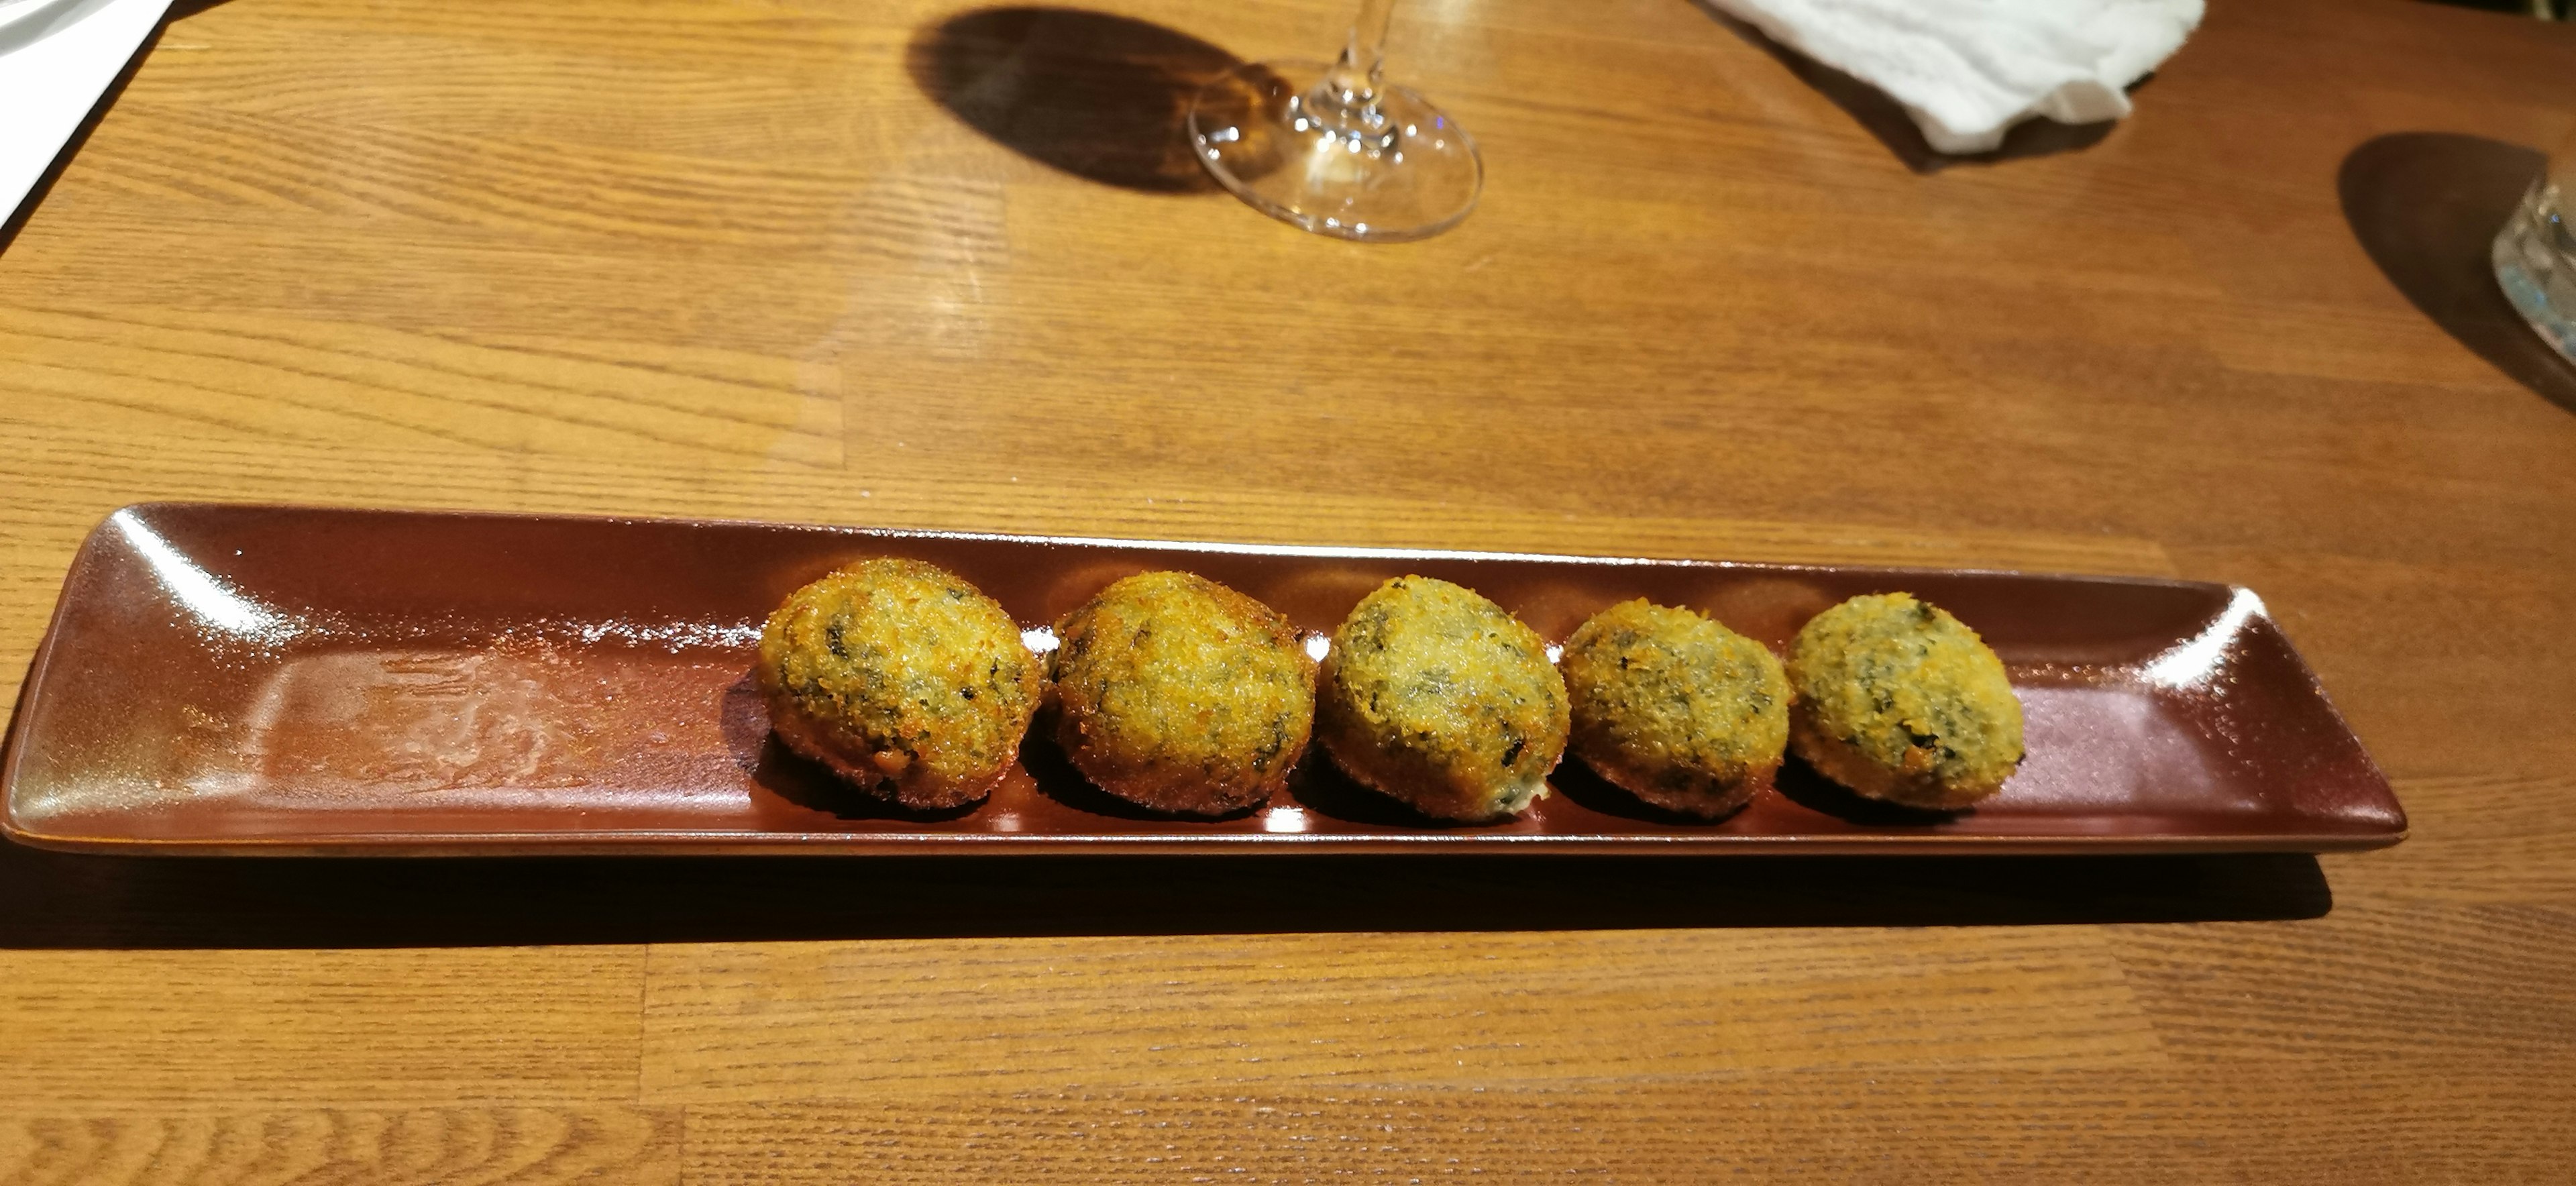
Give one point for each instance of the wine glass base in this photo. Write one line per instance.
(1413, 177)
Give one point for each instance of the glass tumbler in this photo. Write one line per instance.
(2535, 253)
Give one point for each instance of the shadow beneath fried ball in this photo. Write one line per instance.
(1578, 782)
(1320, 786)
(811, 785)
(801, 781)
(1059, 779)
(1799, 783)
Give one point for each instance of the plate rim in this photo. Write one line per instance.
(659, 842)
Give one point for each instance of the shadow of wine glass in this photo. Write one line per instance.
(2426, 207)
(1102, 97)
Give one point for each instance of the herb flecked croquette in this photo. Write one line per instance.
(1674, 708)
(1900, 701)
(1179, 694)
(903, 679)
(1439, 698)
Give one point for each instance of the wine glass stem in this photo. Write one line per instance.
(1348, 95)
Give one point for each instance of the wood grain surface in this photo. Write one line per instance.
(913, 264)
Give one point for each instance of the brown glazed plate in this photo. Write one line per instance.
(284, 680)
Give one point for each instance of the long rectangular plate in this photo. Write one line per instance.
(281, 680)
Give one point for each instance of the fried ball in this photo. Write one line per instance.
(1674, 708)
(1899, 701)
(1177, 693)
(1436, 697)
(903, 679)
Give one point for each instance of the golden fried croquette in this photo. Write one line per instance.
(1177, 693)
(903, 679)
(1674, 708)
(1437, 697)
(1900, 701)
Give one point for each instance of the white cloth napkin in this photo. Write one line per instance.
(1967, 70)
(56, 59)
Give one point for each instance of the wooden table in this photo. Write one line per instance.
(884, 264)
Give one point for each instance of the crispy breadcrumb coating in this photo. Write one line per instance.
(903, 679)
(1437, 697)
(1900, 701)
(1179, 694)
(1674, 708)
